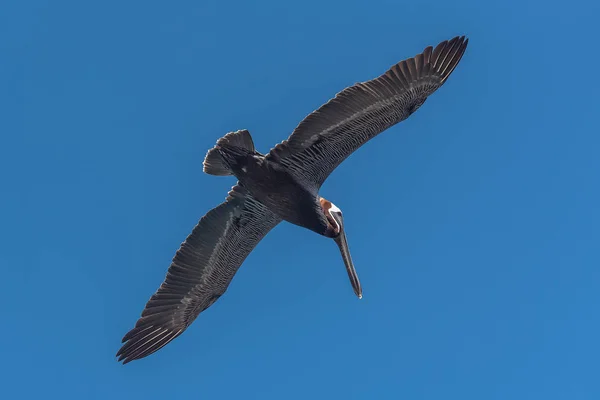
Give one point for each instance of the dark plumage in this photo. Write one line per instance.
(283, 185)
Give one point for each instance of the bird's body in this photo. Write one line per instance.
(272, 184)
(282, 185)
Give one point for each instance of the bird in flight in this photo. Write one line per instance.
(282, 185)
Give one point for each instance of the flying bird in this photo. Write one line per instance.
(282, 185)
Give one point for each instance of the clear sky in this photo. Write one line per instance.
(474, 225)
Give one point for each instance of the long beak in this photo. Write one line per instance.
(342, 243)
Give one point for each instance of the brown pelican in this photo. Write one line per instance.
(282, 185)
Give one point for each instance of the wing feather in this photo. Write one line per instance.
(200, 272)
(360, 112)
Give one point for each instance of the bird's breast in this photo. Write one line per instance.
(278, 190)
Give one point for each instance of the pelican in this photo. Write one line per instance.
(282, 185)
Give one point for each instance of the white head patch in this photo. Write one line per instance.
(334, 208)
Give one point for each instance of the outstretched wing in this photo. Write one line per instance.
(200, 272)
(360, 112)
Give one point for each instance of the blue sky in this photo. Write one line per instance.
(479, 264)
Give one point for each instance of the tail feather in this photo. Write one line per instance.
(215, 164)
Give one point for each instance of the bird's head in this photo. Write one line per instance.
(335, 230)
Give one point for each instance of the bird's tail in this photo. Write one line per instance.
(234, 142)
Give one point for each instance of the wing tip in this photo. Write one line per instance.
(447, 56)
(435, 63)
(141, 345)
